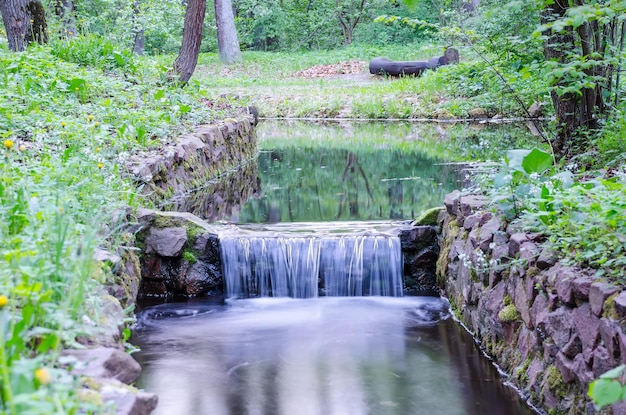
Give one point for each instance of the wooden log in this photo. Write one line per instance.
(383, 66)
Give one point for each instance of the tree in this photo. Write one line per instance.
(349, 14)
(187, 59)
(583, 43)
(140, 40)
(24, 22)
(227, 41)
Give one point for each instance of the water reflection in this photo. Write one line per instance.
(318, 356)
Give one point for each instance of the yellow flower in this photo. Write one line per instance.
(96, 123)
(42, 375)
(39, 74)
(98, 149)
(32, 21)
(63, 124)
(90, 117)
(61, 210)
(3, 301)
(8, 144)
(100, 165)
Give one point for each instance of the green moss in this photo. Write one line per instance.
(190, 257)
(532, 271)
(429, 217)
(508, 314)
(507, 300)
(554, 381)
(450, 234)
(609, 307)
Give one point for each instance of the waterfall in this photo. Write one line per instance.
(308, 266)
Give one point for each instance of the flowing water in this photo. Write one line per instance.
(314, 320)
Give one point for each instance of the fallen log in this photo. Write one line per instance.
(384, 66)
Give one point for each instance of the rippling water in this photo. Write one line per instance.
(326, 356)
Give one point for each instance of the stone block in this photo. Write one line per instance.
(104, 362)
(599, 291)
(587, 325)
(167, 242)
(581, 286)
(515, 242)
(620, 304)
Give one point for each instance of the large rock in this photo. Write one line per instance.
(103, 362)
(166, 242)
(598, 293)
(128, 400)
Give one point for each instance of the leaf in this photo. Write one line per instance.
(613, 373)
(159, 94)
(515, 158)
(537, 161)
(605, 392)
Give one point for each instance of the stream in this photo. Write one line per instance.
(314, 319)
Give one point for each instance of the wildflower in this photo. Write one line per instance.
(22, 147)
(70, 33)
(42, 375)
(100, 165)
(32, 21)
(40, 74)
(8, 144)
(90, 117)
(3, 301)
(63, 124)
(98, 149)
(96, 123)
(61, 210)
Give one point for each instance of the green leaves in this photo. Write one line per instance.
(609, 388)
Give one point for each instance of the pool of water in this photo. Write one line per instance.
(326, 356)
(330, 355)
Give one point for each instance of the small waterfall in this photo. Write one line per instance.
(308, 266)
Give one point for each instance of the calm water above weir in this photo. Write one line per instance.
(330, 354)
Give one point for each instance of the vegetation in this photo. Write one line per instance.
(74, 110)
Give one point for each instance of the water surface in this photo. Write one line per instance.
(323, 356)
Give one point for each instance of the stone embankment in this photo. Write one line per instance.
(553, 328)
(208, 171)
(203, 159)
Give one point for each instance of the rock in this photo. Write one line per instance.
(581, 286)
(202, 277)
(515, 241)
(470, 204)
(418, 238)
(487, 232)
(572, 348)
(128, 400)
(602, 361)
(451, 201)
(539, 310)
(568, 368)
(167, 242)
(562, 278)
(608, 330)
(104, 362)
(528, 252)
(471, 221)
(428, 218)
(559, 326)
(598, 293)
(547, 258)
(587, 325)
(620, 304)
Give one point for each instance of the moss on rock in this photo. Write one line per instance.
(508, 314)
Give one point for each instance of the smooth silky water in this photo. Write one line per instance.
(314, 320)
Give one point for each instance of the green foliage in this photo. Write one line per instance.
(609, 388)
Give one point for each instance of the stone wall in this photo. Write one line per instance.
(203, 159)
(552, 328)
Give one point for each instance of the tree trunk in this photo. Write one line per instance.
(565, 105)
(140, 40)
(227, 41)
(185, 63)
(24, 22)
(64, 9)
